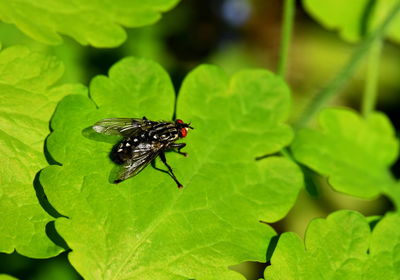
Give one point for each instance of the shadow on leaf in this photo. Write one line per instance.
(44, 202)
(89, 133)
(55, 236)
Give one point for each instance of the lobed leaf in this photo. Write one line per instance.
(146, 228)
(27, 100)
(94, 22)
(355, 153)
(353, 18)
(339, 247)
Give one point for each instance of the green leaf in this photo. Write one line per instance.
(355, 153)
(98, 23)
(384, 249)
(146, 228)
(381, 12)
(339, 247)
(353, 18)
(71, 54)
(7, 277)
(28, 98)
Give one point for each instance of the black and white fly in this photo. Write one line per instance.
(143, 140)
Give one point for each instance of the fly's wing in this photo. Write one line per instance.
(141, 157)
(122, 126)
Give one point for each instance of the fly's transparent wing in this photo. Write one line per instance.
(141, 157)
(121, 126)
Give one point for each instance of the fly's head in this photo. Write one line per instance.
(182, 128)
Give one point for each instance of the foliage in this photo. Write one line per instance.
(245, 168)
(353, 19)
(93, 22)
(7, 277)
(146, 219)
(28, 99)
(355, 153)
(339, 247)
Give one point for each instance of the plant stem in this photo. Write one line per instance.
(371, 83)
(345, 73)
(286, 34)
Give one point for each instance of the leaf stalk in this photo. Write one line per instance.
(286, 34)
(371, 83)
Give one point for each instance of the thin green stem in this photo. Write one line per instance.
(339, 80)
(371, 83)
(286, 34)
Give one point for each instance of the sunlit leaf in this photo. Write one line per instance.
(27, 101)
(355, 153)
(353, 19)
(94, 22)
(146, 228)
(339, 247)
(7, 277)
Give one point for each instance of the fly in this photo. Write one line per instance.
(143, 141)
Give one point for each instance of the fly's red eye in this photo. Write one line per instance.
(183, 132)
(179, 121)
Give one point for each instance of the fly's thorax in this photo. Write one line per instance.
(163, 132)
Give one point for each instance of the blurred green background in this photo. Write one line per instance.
(233, 34)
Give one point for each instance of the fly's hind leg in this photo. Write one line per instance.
(176, 147)
(153, 164)
(171, 173)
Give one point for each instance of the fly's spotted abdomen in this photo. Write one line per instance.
(123, 151)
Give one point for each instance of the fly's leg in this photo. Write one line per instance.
(153, 164)
(171, 173)
(178, 147)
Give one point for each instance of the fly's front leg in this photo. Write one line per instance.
(171, 173)
(178, 147)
